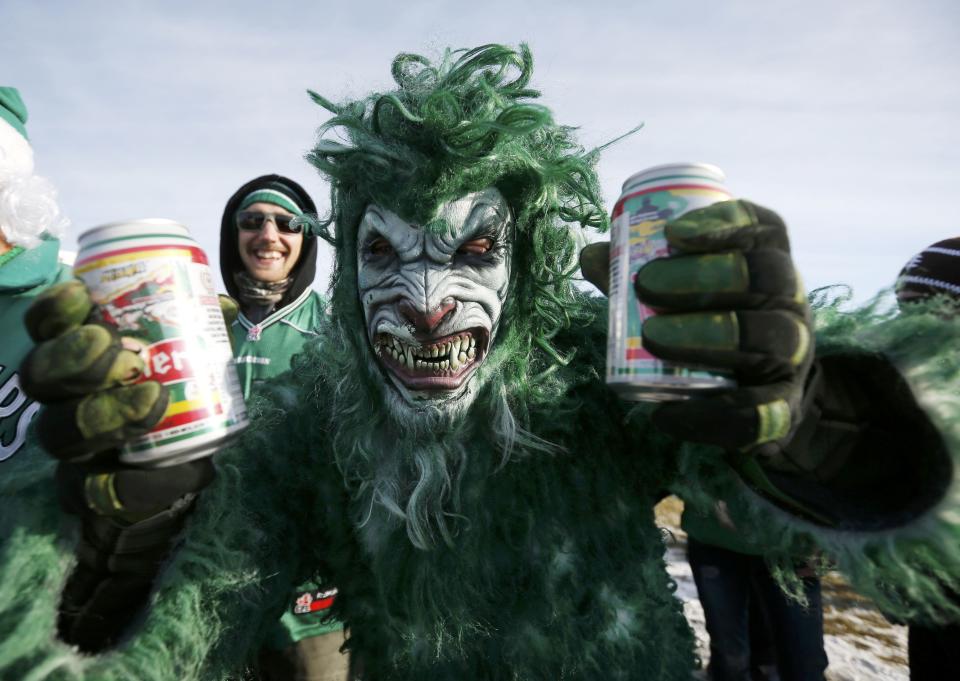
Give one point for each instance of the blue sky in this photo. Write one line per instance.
(842, 116)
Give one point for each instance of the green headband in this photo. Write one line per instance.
(273, 196)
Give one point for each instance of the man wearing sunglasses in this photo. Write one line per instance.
(268, 262)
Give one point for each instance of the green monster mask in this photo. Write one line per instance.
(455, 199)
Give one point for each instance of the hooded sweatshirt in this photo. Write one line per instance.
(264, 349)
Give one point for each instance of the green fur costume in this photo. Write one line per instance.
(516, 542)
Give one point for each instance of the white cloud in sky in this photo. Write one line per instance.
(841, 116)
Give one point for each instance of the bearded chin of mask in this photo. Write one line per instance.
(425, 414)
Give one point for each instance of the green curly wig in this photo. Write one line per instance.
(458, 126)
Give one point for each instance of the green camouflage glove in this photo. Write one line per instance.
(729, 298)
(229, 307)
(85, 375)
(231, 310)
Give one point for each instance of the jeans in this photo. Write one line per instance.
(727, 582)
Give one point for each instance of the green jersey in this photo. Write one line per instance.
(23, 275)
(264, 350)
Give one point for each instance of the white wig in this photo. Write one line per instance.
(28, 202)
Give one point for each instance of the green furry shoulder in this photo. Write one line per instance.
(897, 493)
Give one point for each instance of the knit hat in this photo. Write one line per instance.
(935, 270)
(276, 193)
(16, 155)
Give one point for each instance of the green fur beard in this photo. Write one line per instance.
(403, 468)
(501, 537)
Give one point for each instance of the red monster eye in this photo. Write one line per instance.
(380, 247)
(476, 246)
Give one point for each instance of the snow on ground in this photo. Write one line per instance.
(861, 645)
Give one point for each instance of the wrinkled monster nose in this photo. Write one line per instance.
(425, 321)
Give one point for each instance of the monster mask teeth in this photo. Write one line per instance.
(445, 359)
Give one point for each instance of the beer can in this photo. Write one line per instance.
(151, 280)
(649, 200)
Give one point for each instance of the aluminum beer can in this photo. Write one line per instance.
(649, 200)
(151, 280)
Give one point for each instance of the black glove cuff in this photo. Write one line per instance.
(117, 565)
(865, 456)
(113, 545)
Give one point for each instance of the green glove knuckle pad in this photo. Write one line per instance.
(672, 280)
(595, 264)
(59, 308)
(691, 336)
(78, 429)
(762, 279)
(230, 309)
(716, 223)
(129, 409)
(774, 421)
(761, 345)
(82, 360)
(727, 225)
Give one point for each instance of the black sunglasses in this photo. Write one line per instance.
(252, 221)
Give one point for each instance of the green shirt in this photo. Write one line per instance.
(264, 350)
(23, 276)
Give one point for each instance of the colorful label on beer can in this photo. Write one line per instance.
(151, 280)
(650, 199)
